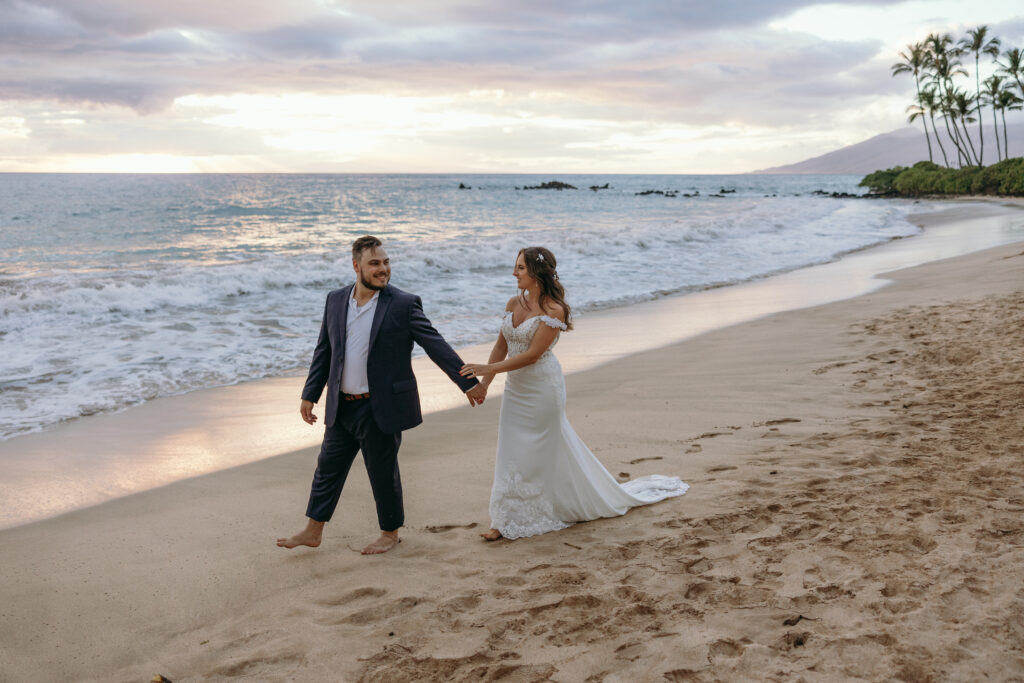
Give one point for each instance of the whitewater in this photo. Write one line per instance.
(118, 289)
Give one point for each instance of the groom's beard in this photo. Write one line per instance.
(373, 285)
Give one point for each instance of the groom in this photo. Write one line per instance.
(363, 357)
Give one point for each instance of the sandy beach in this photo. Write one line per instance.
(854, 514)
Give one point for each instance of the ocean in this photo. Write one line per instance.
(119, 289)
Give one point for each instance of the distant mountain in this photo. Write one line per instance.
(903, 147)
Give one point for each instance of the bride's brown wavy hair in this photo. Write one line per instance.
(542, 267)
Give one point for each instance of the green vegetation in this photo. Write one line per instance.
(936, 65)
(926, 178)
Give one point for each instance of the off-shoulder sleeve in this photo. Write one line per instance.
(553, 322)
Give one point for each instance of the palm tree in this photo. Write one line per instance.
(915, 58)
(1014, 66)
(947, 107)
(1008, 100)
(930, 101)
(963, 106)
(977, 42)
(917, 111)
(944, 64)
(990, 95)
(938, 43)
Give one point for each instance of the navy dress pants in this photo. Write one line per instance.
(354, 429)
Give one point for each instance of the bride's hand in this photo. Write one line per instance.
(478, 370)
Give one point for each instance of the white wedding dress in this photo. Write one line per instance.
(545, 477)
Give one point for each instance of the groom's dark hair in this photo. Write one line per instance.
(362, 244)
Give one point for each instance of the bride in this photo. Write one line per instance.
(545, 477)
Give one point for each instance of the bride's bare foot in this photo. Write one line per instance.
(491, 535)
(310, 536)
(387, 541)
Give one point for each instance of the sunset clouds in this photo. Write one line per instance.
(399, 85)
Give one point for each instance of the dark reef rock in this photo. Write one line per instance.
(663, 193)
(595, 188)
(837, 195)
(551, 185)
(465, 187)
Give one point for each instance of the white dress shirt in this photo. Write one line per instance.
(357, 345)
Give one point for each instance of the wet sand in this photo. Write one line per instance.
(854, 513)
(88, 461)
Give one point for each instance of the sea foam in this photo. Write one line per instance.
(115, 290)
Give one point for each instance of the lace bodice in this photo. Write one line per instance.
(519, 337)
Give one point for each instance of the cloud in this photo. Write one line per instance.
(136, 17)
(605, 20)
(143, 55)
(1011, 32)
(572, 75)
(143, 97)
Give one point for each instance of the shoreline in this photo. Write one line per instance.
(105, 457)
(792, 431)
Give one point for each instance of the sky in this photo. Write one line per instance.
(529, 86)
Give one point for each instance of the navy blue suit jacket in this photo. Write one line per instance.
(397, 323)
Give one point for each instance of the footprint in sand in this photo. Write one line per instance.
(352, 596)
(725, 648)
(379, 611)
(699, 566)
(793, 640)
(699, 590)
(630, 651)
(464, 602)
(831, 366)
(510, 581)
(441, 528)
(399, 663)
(778, 421)
(248, 666)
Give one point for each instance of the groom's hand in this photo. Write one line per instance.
(477, 394)
(306, 410)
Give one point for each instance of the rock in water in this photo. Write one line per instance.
(551, 185)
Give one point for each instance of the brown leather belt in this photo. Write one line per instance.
(354, 397)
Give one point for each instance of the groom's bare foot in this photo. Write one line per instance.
(491, 535)
(310, 536)
(387, 541)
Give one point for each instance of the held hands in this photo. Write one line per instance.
(306, 410)
(477, 394)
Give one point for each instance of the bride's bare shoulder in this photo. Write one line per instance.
(554, 310)
(512, 304)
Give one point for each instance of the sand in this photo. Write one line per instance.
(88, 461)
(855, 513)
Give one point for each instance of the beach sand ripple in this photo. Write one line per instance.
(901, 560)
(857, 474)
